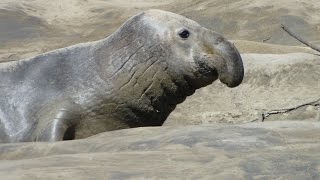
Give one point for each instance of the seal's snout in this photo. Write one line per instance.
(232, 73)
(227, 61)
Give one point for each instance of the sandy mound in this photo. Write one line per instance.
(250, 151)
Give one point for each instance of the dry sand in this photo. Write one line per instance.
(273, 150)
(28, 27)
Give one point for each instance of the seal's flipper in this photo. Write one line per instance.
(58, 123)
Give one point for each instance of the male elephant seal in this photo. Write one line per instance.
(135, 77)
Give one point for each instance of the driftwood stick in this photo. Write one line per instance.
(313, 46)
(315, 103)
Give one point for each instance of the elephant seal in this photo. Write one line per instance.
(135, 77)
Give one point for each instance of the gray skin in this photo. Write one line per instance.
(135, 77)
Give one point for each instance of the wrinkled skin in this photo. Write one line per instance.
(133, 78)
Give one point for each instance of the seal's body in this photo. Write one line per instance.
(135, 77)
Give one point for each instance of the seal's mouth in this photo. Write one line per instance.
(217, 65)
(206, 70)
(204, 74)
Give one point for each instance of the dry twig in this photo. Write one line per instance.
(282, 111)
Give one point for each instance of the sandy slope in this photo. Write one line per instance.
(31, 27)
(273, 150)
(270, 150)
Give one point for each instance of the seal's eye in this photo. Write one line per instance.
(184, 34)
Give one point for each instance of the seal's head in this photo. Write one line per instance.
(200, 54)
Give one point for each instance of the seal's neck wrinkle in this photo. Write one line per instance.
(148, 87)
(158, 93)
